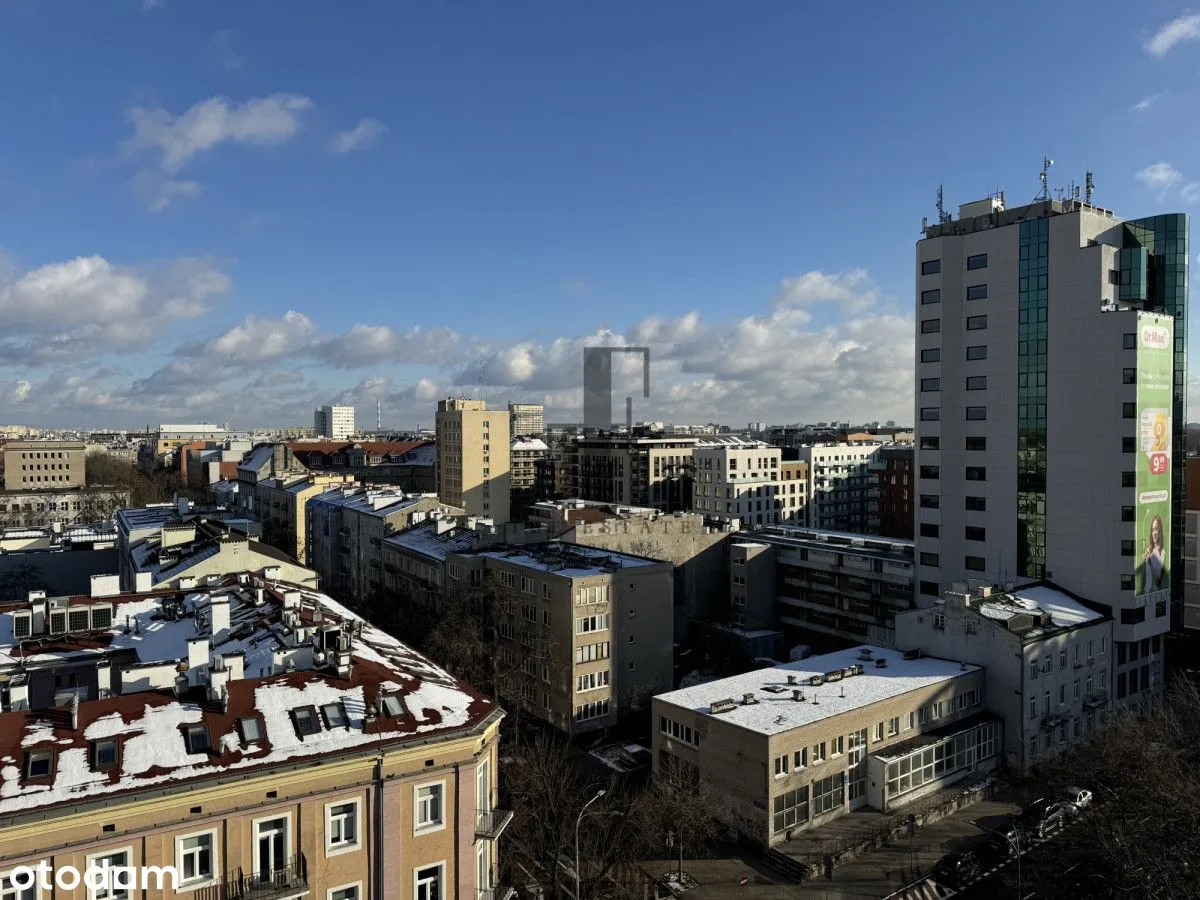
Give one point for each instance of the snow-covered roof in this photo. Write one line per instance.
(424, 540)
(147, 722)
(775, 710)
(373, 501)
(257, 458)
(424, 455)
(1033, 600)
(529, 444)
(568, 560)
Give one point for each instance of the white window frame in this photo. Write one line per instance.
(90, 860)
(343, 847)
(357, 885)
(215, 854)
(429, 827)
(441, 867)
(483, 867)
(288, 844)
(36, 888)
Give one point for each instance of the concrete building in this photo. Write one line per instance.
(136, 524)
(473, 458)
(65, 506)
(743, 481)
(1038, 420)
(891, 498)
(824, 588)
(527, 475)
(789, 748)
(334, 422)
(526, 420)
(263, 462)
(346, 529)
(635, 469)
(408, 464)
(171, 437)
(37, 465)
(281, 508)
(589, 630)
(56, 559)
(297, 751)
(202, 463)
(1047, 658)
(839, 482)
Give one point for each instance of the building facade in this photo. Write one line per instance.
(37, 465)
(527, 479)
(526, 419)
(473, 458)
(892, 495)
(1054, 312)
(839, 483)
(171, 437)
(67, 506)
(281, 506)
(334, 422)
(635, 470)
(743, 481)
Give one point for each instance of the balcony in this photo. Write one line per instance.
(289, 880)
(490, 823)
(496, 893)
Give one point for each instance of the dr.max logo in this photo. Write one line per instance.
(1156, 337)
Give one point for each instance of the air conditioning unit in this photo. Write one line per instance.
(58, 621)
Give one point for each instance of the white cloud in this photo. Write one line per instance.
(1184, 28)
(1160, 177)
(20, 392)
(220, 47)
(360, 137)
(1146, 102)
(1190, 192)
(168, 190)
(261, 121)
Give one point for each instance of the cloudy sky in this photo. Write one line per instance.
(225, 211)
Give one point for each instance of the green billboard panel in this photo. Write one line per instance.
(1155, 386)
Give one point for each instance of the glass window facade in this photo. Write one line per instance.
(791, 809)
(949, 756)
(1031, 397)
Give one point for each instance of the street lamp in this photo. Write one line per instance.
(600, 793)
(1015, 843)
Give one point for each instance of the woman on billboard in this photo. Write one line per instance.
(1154, 563)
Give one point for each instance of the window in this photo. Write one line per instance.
(976, 443)
(930, 589)
(931, 443)
(931, 384)
(1033, 707)
(9, 891)
(250, 728)
(428, 883)
(976, 413)
(879, 731)
(976, 323)
(933, 296)
(931, 355)
(108, 890)
(978, 261)
(837, 746)
(1126, 585)
(929, 559)
(1075, 690)
(334, 715)
(976, 473)
(1127, 479)
(305, 720)
(1128, 445)
(977, 292)
(929, 501)
(349, 892)
(1127, 514)
(1129, 376)
(893, 726)
(827, 794)
(931, 472)
(195, 857)
(341, 827)
(930, 413)
(976, 382)
(588, 624)
(392, 705)
(818, 753)
(104, 753)
(931, 267)
(975, 533)
(975, 563)
(781, 765)
(979, 351)
(929, 530)
(800, 759)
(1129, 341)
(790, 809)
(429, 806)
(1062, 659)
(591, 681)
(931, 326)
(39, 764)
(196, 738)
(1128, 410)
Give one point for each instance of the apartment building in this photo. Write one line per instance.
(1047, 657)
(58, 559)
(281, 508)
(527, 479)
(263, 462)
(36, 465)
(472, 458)
(526, 419)
(346, 529)
(408, 465)
(635, 469)
(590, 630)
(737, 480)
(1051, 440)
(334, 422)
(63, 506)
(171, 437)
(824, 588)
(295, 751)
(136, 524)
(792, 747)
(891, 498)
(839, 482)
(202, 463)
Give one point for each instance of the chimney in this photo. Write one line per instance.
(291, 600)
(218, 683)
(235, 663)
(219, 614)
(18, 691)
(182, 506)
(258, 597)
(104, 679)
(75, 712)
(791, 679)
(105, 586)
(197, 658)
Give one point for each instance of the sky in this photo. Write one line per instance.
(235, 212)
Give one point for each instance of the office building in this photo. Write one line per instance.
(1046, 657)
(635, 469)
(472, 458)
(258, 737)
(38, 465)
(526, 419)
(736, 480)
(1051, 368)
(334, 422)
(792, 747)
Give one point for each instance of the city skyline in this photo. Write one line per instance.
(215, 222)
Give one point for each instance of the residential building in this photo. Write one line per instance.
(202, 463)
(136, 524)
(1047, 657)
(54, 558)
(745, 481)
(263, 462)
(1050, 444)
(65, 506)
(281, 508)
(824, 588)
(792, 747)
(346, 529)
(472, 458)
(527, 475)
(891, 502)
(171, 437)
(37, 465)
(590, 629)
(258, 737)
(406, 464)
(636, 469)
(839, 481)
(334, 422)
(526, 419)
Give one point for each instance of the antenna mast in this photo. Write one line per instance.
(943, 218)
(1089, 187)
(1044, 196)
(482, 374)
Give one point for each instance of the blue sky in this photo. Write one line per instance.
(227, 210)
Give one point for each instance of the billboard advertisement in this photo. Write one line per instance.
(1155, 380)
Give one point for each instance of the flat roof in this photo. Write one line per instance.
(775, 711)
(568, 560)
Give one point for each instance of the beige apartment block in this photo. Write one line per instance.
(473, 458)
(792, 747)
(43, 465)
(280, 505)
(747, 482)
(526, 419)
(296, 752)
(591, 630)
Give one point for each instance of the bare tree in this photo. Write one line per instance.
(17, 582)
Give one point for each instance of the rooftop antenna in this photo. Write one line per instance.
(943, 218)
(379, 414)
(482, 374)
(1089, 187)
(1044, 196)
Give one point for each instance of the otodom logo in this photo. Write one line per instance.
(1156, 337)
(102, 880)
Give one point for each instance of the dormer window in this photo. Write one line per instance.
(305, 720)
(196, 739)
(104, 754)
(392, 705)
(250, 729)
(335, 715)
(39, 763)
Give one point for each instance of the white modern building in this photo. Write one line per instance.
(526, 419)
(738, 480)
(1034, 433)
(334, 422)
(839, 485)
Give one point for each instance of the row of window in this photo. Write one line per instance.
(678, 731)
(974, 383)
(974, 262)
(973, 473)
(974, 292)
(974, 352)
(934, 326)
(970, 563)
(947, 757)
(973, 413)
(934, 442)
(970, 532)
(934, 501)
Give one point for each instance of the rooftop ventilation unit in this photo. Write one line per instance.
(815, 680)
(865, 653)
(798, 695)
(748, 700)
(913, 654)
(835, 675)
(722, 706)
(881, 663)
(791, 679)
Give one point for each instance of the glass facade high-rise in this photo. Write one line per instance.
(1033, 287)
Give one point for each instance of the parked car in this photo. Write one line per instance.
(1042, 817)
(1003, 843)
(955, 869)
(1079, 798)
